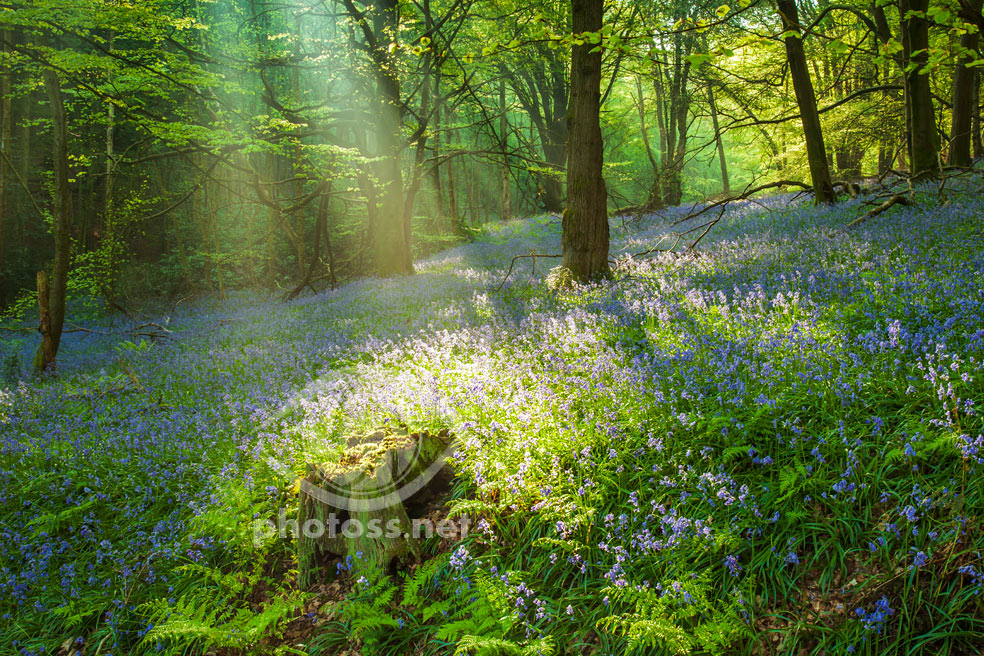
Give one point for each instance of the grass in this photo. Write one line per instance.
(770, 448)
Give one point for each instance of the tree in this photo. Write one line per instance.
(52, 303)
(965, 84)
(584, 234)
(806, 100)
(379, 24)
(922, 140)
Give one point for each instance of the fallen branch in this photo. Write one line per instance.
(132, 376)
(897, 199)
(520, 257)
(742, 196)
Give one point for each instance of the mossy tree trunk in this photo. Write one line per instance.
(364, 505)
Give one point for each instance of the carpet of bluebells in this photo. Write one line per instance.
(773, 446)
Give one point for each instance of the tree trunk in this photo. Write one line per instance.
(452, 202)
(554, 154)
(806, 100)
(505, 207)
(62, 217)
(45, 357)
(923, 142)
(6, 123)
(679, 112)
(655, 199)
(964, 97)
(976, 119)
(392, 247)
(542, 91)
(882, 37)
(435, 170)
(584, 234)
(366, 504)
(712, 105)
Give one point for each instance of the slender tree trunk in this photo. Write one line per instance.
(672, 183)
(469, 195)
(678, 115)
(584, 235)
(62, 217)
(332, 280)
(964, 100)
(6, 122)
(47, 351)
(555, 156)
(923, 141)
(435, 171)
(505, 207)
(655, 200)
(806, 99)
(976, 118)
(452, 203)
(107, 199)
(712, 105)
(882, 36)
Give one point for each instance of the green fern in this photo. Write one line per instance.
(423, 577)
(733, 452)
(203, 622)
(482, 646)
(679, 622)
(649, 632)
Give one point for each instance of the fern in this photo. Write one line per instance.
(649, 632)
(733, 452)
(498, 647)
(788, 479)
(202, 621)
(368, 619)
(680, 621)
(424, 576)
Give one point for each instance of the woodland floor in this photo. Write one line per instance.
(769, 447)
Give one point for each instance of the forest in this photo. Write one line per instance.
(481, 327)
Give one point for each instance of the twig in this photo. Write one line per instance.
(19, 330)
(132, 376)
(520, 257)
(657, 249)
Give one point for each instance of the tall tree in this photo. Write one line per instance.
(806, 100)
(52, 303)
(585, 222)
(964, 97)
(379, 24)
(923, 141)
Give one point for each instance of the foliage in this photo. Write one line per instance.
(774, 443)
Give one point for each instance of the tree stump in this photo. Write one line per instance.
(363, 505)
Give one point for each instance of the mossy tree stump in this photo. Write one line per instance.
(364, 504)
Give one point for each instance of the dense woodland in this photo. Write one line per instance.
(690, 360)
(172, 148)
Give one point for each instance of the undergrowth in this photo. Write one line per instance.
(772, 447)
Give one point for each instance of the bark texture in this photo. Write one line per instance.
(806, 99)
(964, 100)
(585, 222)
(922, 140)
(62, 213)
